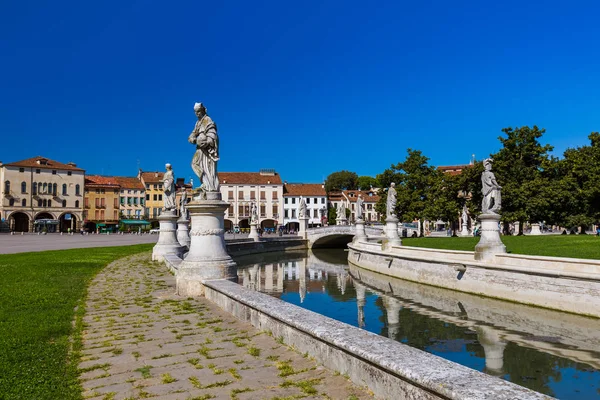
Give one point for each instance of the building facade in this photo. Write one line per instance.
(132, 199)
(153, 186)
(42, 195)
(241, 189)
(101, 203)
(370, 198)
(314, 196)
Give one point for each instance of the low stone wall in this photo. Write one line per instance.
(562, 284)
(246, 247)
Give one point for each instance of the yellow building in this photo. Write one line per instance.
(101, 203)
(152, 182)
(39, 194)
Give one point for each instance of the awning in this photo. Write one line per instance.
(100, 224)
(46, 222)
(135, 222)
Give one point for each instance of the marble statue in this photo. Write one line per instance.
(302, 209)
(169, 189)
(254, 214)
(465, 215)
(341, 211)
(183, 212)
(490, 189)
(204, 163)
(359, 207)
(391, 201)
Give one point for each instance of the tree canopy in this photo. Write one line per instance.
(341, 180)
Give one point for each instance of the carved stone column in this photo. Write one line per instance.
(489, 243)
(392, 309)
(360, 231)
(207, 258)
(183, 232)
(391, 233)
(254, 232)
(167, 238)
(493, 346)
(303, 227)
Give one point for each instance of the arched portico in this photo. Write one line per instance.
(228, 225)
(244, 224)
(45, 222)
(19, 222)
(66, 221)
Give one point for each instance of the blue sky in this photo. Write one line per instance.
(306, 88)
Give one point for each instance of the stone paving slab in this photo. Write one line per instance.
(142, 341)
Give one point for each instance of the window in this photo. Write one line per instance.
(11, 202)
(45, 203)
(147, 197)
(275, 195)
(102, 214)
(285, 213)
(240, 210)
(54, 189)
(86, 202)
(21, 169)
(97, 203)
(323, 200)
(64, 192)
(129, 212)
(141, 201)
(116, 203)
(155, 186)
(293, 200)
(69, 173)
(64, 203)
(262, 195)
(34, 188)
(24, 203)
(315, 200)
(37, 171)
(77, 190)
(7, 187)
(97, 214)
(97, 191)
(23, 187)
(275, 214)
(135, 199)
(294, 213)
(129, 201)
(369, 206)
(155, 197)
(285, 200)
(103, 202)
(230, 195)
(53, 172)
(122, 201)
(252, 195)
(76, 203)
(40, 203)
(49, 203)
(230, 210)
(115, 215)
(160, 197)
(147, 186)
(263, 210)
(241, 195)
(129, 192)
(307, 200)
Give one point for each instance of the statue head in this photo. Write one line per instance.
(168, 166)
(200, 110)
(393, 184)
(487, 164)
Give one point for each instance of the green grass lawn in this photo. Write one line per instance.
(575, 246)
(39, 294)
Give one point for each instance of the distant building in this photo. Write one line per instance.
(132, 202)
(453, 169)
(39, 194)
(153, 185)
(101, 203)
(316, 204)
(241, 189)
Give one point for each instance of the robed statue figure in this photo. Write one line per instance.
(204, 163)
(391, 201)
(490, 189)
(169, 189)
(359, 207)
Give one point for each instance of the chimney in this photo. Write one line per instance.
(156, 174)
(72, 164)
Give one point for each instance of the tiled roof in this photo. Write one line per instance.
(303, 189)
(367, 196)
(248, 178)
(98, 180)
(453, 169)
(50, 164)
(152, 177)
(127, 182)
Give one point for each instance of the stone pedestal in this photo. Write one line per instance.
(341, 221)
(391, 234)
(303, 227)
(360, 231)
(254, 232)
(493, 346)
(464, 231)
(167, 237)
(517, 225)
(183, 232)
(535, 229)
(489, 243)
(207, 258)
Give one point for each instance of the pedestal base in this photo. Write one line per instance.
(360, 231)
(303, 227)
(254, 232)
(535, 229)
(183, 232)
(391, 234)
(207, 258)
(465, 231)
(167, 238)
(489, 243)
(343, 221)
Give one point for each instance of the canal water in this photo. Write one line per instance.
(554, 353)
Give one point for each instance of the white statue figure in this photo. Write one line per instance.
(465, 215)
(391, 201)
(204, 163)
(254, 214)
(341, 211)
(359, 207)
(184, 214)
(490, 189)
(302, 209)
(169, 189)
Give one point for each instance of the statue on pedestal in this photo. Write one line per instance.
(359, 207)
(254, 214)
(465, 215)
(341, 211)
(302, 209)
(391, 201)
(490, 189)
(169, 189)
(184, 214)
(205, 137)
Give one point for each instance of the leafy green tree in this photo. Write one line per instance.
(331, 215)
(444, 203)
(519, 167)
(366, 182)
(341, 180)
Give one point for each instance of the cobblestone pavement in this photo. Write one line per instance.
(141, 341)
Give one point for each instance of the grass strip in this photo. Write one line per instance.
(41, 294)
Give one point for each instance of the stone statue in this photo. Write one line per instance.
(341, 211)
(359, 207)
(490, 189)
(465, 215)
(183, 206)
(254, 214)
(169, 189)
(302, 209)
(391, 201)
(204, 163)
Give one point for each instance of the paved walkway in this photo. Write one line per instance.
(141, 340)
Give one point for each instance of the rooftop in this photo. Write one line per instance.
(304, 189)
(249, 178)
(43, 162)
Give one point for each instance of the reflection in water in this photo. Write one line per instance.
(554, 353)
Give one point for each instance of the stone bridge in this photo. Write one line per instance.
(336, 235)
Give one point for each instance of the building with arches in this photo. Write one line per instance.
(39, 194)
